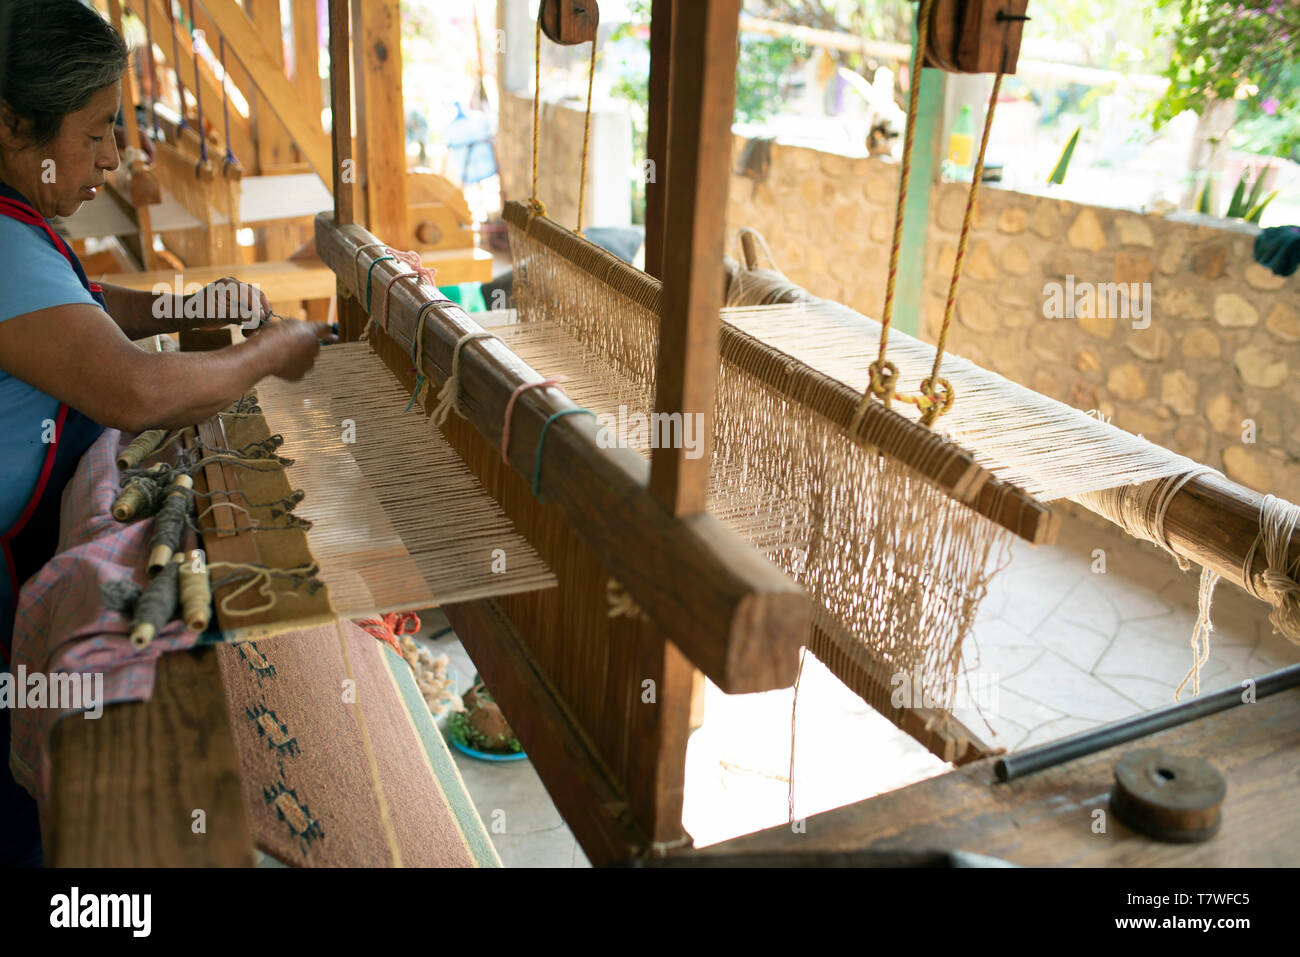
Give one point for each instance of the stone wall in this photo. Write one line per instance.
(1209, 372)
(608, 200)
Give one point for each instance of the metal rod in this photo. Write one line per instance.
(1117, 732)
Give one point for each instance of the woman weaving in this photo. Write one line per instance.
(68, 366)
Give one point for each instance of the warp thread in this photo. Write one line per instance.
(449, 394)
(1200, 633)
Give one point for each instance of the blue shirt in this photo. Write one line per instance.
(33, 276)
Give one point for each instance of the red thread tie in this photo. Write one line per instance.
(510, 408)
(422, 273)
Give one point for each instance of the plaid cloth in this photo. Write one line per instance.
(62, 625)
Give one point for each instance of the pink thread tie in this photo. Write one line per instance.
(510, 408)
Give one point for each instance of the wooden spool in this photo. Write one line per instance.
(1169, 798)
(975, 36)
(569, 22)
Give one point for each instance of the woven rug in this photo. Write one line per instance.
(342, 763)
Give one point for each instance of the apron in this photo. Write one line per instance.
(32, 540)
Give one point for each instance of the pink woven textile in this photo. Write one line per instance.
(62, 626)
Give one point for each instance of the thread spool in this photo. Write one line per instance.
(156, 606)
(135, 496)
(145, 444)
(195, 590)
(169, 524)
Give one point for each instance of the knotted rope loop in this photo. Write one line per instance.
(449, 395)
(934, 404)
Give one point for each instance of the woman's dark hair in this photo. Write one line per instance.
(54, 56)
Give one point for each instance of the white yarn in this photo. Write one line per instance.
(449, 394)
(1277, 583)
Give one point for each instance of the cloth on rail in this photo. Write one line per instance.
(62, 625)
(1278, 248)
(342, 764)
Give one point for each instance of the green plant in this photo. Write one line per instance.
(1058, 171)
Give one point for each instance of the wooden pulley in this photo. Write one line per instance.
(1169, 798)
(975, 36)
(569, 22)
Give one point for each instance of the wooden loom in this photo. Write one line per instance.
(571, 678)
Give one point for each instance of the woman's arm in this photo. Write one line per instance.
(77, 354)
(140, 313)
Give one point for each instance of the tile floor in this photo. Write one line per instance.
(1068, 637)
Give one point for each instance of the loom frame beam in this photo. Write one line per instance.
(735, 615)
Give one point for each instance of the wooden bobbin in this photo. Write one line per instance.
(127, 505)
(144, 445)
(195, 591)
(1168, 798)
(569, 22)
(162, 553)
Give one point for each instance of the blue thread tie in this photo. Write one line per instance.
(541, 442)
(370, 275)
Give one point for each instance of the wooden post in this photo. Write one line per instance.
(703, 94)
(351, 317)
(129, 99)
(656, 173)
(306, 57)
(274, 144)
(381, 122)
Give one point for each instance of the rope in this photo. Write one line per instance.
(225, 102)
(260, 576)
(586, 132)
(941, 404)
(153, 74)
(198, 88)
(541, 444)
(176, 67)
(510, 409)
(449, 395)
(884, 375)
(537, 205)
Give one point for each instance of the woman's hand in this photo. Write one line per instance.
(293, 345)
(228, 301)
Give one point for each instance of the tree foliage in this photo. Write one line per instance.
(1248, 50)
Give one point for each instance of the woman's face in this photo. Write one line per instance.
(66, 172)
